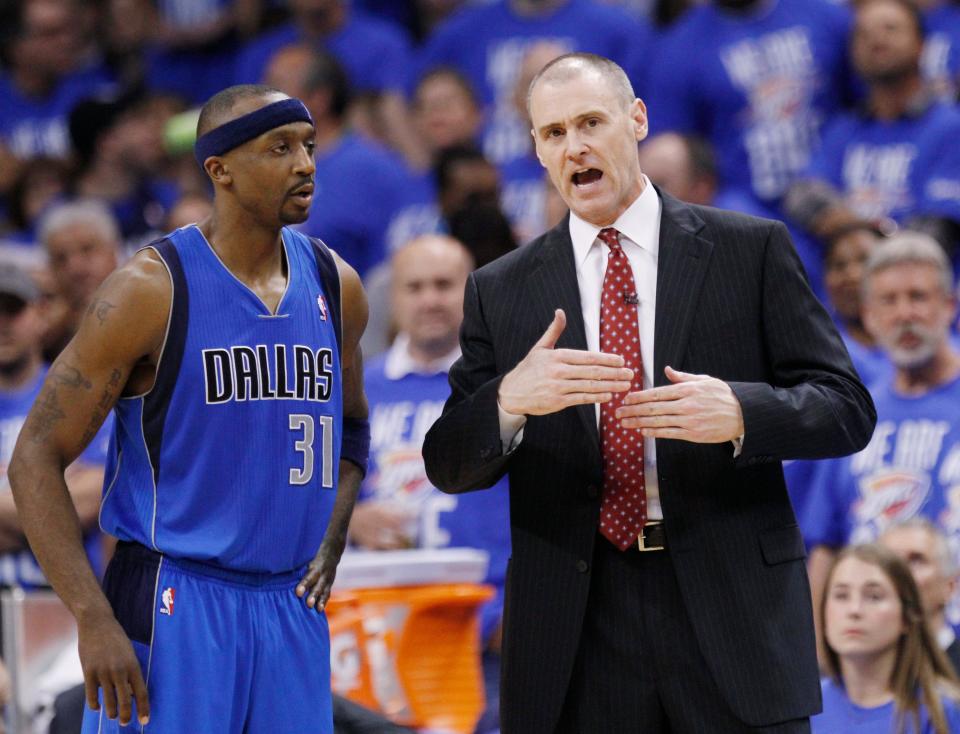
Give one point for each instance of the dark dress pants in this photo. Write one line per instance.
(639, 669)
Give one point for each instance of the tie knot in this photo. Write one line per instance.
(611, 238)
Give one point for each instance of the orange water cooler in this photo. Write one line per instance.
(405, 635)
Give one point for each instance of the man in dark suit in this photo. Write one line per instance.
(657, 581)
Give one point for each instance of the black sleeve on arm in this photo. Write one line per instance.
(813, 405)
(462, 451)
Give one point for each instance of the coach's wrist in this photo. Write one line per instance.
(506, 401)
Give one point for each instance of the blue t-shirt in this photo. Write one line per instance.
(401, 412)
(757, 86)
(37, 126)
(404, 14)
(940, 62)
(487, 43)
(872, 363)
(375, 55)
(883, 168)
(20, 568)
(523, 196)
(359, 188)
(842, 716)
(192, 73)
(417, 212)
(522, 200)
(910, 467)
(142, 212)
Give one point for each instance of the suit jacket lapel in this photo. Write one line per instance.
(554, 281)
(683, 262)
(681, 267)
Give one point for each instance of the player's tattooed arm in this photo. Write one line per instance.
(79, 390)
(70, 376)
(100, 308)
(67, 385)
(108, 397)
(45, 415)
(316, 584)
(50, 411)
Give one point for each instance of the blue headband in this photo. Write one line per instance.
(247, 127)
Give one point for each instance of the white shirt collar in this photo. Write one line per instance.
(638, 223)
(399, 363)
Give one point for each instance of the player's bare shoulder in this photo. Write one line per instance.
(131, 308)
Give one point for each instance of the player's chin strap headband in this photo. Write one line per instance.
(247, 127)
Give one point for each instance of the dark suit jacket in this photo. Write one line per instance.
(732, 302)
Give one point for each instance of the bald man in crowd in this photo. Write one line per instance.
(925, 548)
(406, 388)
(682, 165)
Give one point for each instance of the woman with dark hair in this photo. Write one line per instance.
(885, 671)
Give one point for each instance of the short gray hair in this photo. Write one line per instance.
(945, 555)
(83, 211)
(569, 66)
(912, 247)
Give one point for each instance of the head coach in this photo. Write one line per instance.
(640, 371)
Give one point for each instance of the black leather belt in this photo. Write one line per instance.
(653, 537)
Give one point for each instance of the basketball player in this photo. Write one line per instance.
(229, 351)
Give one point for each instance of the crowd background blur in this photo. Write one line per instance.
(837, 117)
(832, 116)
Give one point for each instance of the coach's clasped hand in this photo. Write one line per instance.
(548, 380)
(695, 408)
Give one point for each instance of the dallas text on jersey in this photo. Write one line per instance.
(242, 373)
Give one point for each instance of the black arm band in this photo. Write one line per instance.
(355, 446)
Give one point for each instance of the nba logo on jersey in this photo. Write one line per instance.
(167, 599)
(323, 307)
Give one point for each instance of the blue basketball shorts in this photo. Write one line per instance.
(220, 651)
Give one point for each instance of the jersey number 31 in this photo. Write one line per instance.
(304, 422)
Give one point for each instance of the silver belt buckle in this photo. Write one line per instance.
(643, 548)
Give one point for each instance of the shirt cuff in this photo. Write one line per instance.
(737, 444)
(511, 429)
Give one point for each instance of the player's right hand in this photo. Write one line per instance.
(109, 664)
(548, 379)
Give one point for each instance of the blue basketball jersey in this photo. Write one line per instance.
(231, 457)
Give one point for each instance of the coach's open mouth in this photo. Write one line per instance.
(586, 177)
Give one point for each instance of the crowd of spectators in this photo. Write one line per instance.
(839, 118)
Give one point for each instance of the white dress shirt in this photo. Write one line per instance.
(639, 228)
(399, 362)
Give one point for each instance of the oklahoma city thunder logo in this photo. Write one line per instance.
(401, 475)
(886, 497)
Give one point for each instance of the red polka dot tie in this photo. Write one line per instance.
(623, 510)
